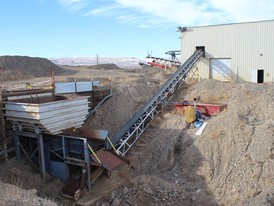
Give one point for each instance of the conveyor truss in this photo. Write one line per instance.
(133, 129)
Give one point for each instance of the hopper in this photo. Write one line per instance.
(52, 114)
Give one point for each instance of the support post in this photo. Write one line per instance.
(93, 153)
(89, 177)
(87, 161)
(93, 95)
(75, 85)
(64, 156)
(86, 151)
(17, 146)
(3, 126)
(42, 156)
(64, 147)
(52, 78)
(109, 142)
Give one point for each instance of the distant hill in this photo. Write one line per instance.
(122, 62)
(21, 67)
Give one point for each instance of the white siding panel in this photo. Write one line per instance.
(253, 74)
(72, 87)
(220, 69)
(249, 45)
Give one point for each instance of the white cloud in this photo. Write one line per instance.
(158, 13)
(246, 10)
(74, 5)
(103, 11)
(41, 2)
(70, 2)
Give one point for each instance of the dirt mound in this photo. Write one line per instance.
(230, 164)
(27, 186)
(12, 195)
(238, 144)
(149, 190)
(130, 93)
(105, 67)
(21, 67)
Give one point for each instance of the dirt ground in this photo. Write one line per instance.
(231, 163)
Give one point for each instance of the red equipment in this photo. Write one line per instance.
(208, 109)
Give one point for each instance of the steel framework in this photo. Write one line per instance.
(130, 132)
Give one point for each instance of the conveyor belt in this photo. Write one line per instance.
(130, 132)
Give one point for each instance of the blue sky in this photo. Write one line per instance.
(113, 28)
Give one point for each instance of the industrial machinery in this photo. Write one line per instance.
(47, 131)
(60, 148)
(173, 54)
(125, 138)
(162, 63)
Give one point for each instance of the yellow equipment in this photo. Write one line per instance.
(190, 114)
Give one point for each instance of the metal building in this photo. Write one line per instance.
(233, 52)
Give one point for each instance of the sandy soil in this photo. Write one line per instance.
(231, 163)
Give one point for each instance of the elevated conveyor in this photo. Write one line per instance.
(130, 132)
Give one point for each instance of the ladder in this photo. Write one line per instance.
(125, 138)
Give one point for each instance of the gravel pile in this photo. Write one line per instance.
(22, 67)
(11, 195)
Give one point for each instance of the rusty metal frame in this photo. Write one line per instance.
(6, 94)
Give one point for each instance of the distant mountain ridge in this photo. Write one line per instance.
(21, 67)
(86, 61)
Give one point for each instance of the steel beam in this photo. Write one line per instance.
(17, 146)
(42, 156)
(7, 94)
(87, 160)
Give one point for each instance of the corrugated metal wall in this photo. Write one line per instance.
(74, 87)
(249, 45)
